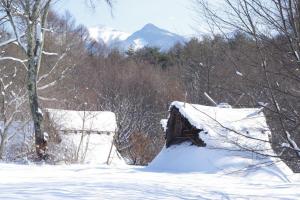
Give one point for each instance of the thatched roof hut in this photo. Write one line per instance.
(203, 124)
(89, 133)
(216, 139)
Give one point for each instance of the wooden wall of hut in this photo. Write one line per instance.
(179, 130)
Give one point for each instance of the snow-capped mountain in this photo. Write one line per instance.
(107, 36)
(150, 35)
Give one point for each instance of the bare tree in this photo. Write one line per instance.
(12, 99)
(274, 27)
(28, 22)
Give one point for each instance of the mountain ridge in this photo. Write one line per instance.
(149, 35)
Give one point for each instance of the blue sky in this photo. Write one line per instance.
(130, 15)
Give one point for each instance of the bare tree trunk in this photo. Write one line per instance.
(2, 118)
(36, 113)
(1, 145)
(3, 138)
(35, 41)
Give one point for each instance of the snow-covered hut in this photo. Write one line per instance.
(203, 125)
(213, 139)
(92, 132)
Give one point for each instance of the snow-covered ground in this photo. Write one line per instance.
(102, 182)
(221, 170)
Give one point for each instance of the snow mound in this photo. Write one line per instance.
(231, 136)
(94, 148)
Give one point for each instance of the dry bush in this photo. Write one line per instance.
(141, 148)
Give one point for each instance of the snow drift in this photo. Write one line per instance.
(94, 148)
(237, 140)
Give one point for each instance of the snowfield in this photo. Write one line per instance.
(221, 170)
(102, 182)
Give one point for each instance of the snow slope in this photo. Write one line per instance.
(93, 182)
(231, 136)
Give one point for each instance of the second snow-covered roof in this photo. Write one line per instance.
(96, 121)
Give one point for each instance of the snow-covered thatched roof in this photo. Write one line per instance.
(236, 139)
(94, 121)
(226, 127)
